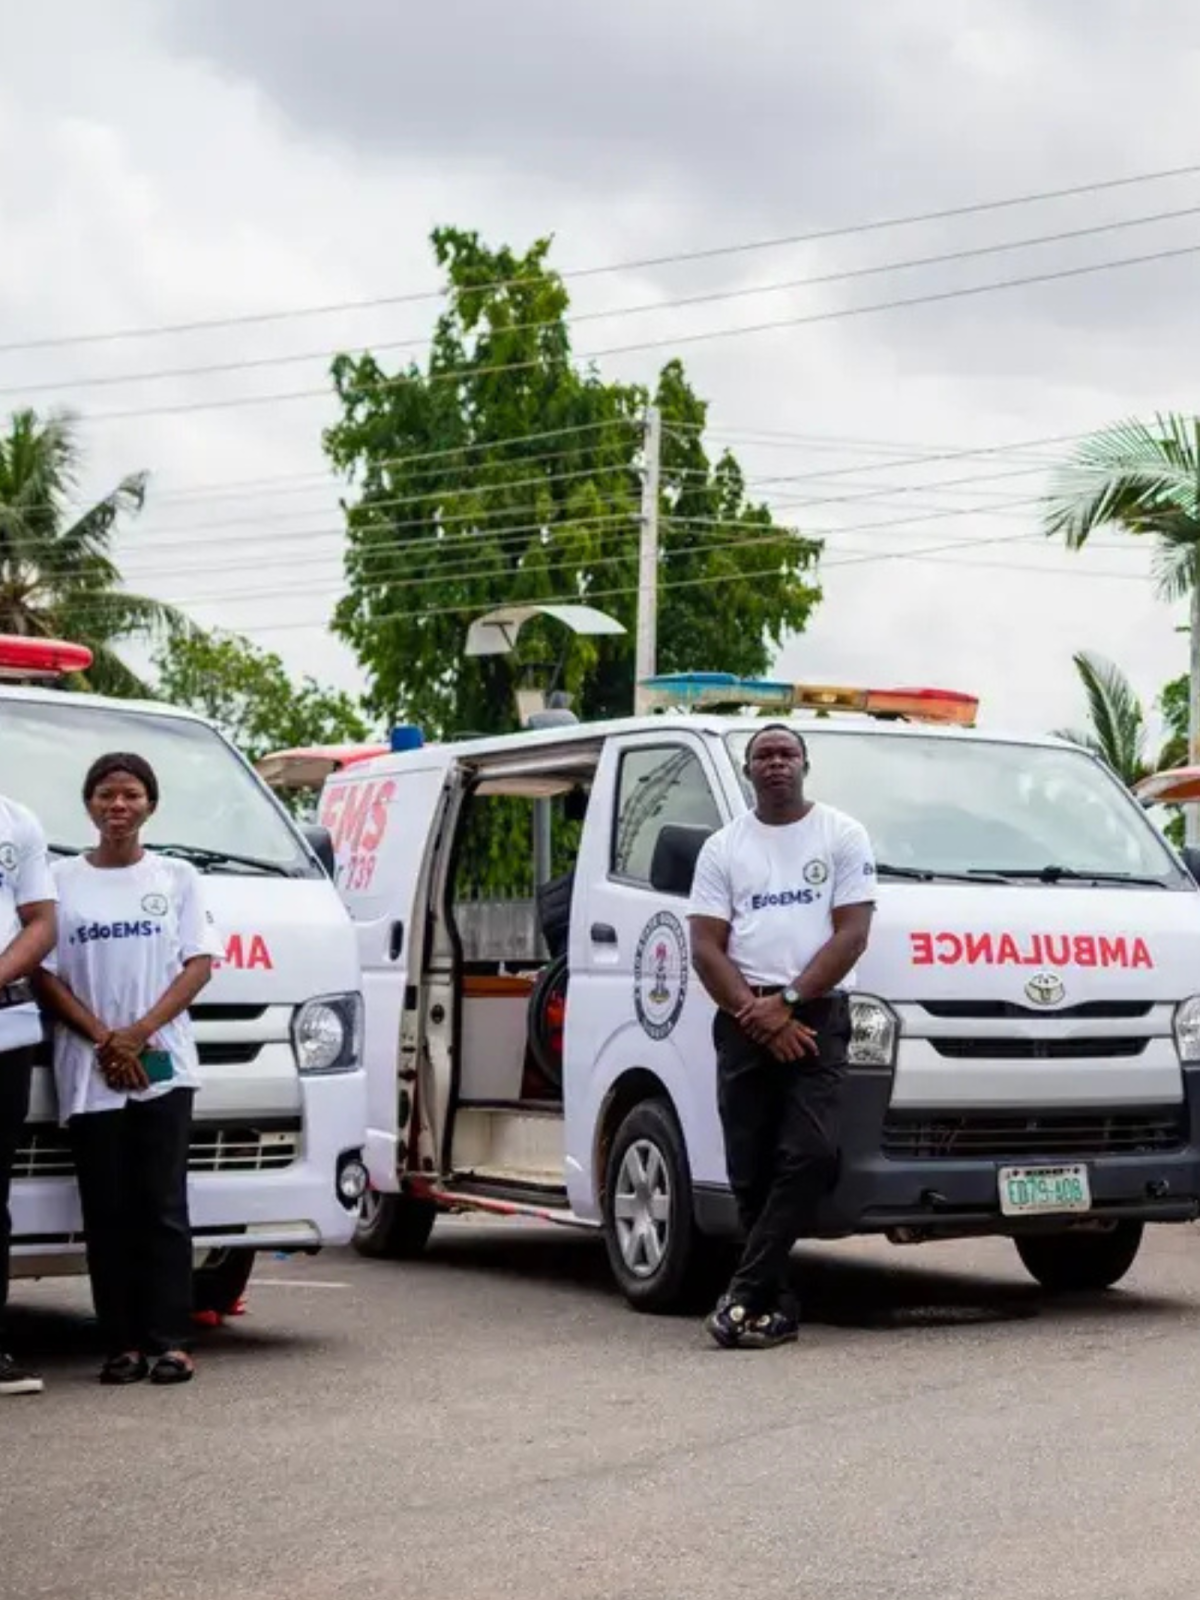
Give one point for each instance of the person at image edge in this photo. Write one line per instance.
(780, 913)
(27, 934)
(135, 947)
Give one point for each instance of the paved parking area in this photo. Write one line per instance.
(494, 1421)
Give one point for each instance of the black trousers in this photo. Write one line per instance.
(16, 1074)
(132, 1170)
(781, 1127)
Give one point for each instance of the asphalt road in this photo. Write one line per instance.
(494, 1421)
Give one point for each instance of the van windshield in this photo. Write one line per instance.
(209, 800)
(944, 805)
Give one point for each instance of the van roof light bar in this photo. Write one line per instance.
(712, 691)
(23, 657)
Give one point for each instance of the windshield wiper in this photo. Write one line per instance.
(204, 858)
(885, 869)
(1056, 874)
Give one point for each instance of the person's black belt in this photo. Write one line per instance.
(19, 993)
(758, 990)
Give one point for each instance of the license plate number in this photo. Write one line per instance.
(1041, 1191)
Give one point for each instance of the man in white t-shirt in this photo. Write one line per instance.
(27, 934)
(780, 913)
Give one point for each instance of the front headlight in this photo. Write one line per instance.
(327, 1033)
(874, 1030)
(1187, 1029)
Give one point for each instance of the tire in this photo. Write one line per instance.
(219, 1282)
(660, 1259)
(547, 1005)
(393, 1227)
(1074, 1263)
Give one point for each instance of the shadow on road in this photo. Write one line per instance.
(874, 1295)
(60, 1340)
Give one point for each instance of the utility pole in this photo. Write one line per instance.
(647, 595)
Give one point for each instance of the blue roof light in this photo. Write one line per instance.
(407, 736)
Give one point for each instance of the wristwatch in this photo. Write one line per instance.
(790, 997)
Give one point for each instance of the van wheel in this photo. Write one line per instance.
(656, 1252)
(220, 1280)
(1067, 1263)
(394, 1227)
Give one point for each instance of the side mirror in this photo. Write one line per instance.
(321, 843)
(1191, 860)
(673, 865)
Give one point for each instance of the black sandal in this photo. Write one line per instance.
(127, 1368)
(174, 1368)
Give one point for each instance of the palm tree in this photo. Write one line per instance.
(57, 574)
(1117, 722)
(1145, 479)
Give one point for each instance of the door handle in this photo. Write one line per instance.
(396, 941)
(603, 933)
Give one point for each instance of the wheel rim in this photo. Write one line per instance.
(642, 1208)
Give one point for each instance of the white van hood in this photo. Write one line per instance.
(962, 941)
(285, 940)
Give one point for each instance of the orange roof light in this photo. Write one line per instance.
(24, 657)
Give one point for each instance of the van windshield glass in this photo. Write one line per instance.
(209, 800)
(938, 804)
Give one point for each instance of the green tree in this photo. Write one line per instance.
(58, 578)
(501, 472)
(248, 694)
(1117, 728)
(1145, 479)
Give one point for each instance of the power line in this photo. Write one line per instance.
(710, 253)
(456, 374)
(259, 363)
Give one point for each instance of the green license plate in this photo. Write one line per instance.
(1041, 1191)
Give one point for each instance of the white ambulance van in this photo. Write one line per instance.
(276, 1155)
(1025, 1057)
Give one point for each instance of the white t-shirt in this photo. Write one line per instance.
(124, 934)
(778, 887)
(25, 878)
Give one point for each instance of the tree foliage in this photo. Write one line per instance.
(58, 578)
(248, 693)
(501, 471)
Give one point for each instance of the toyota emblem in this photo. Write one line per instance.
(1045, 989)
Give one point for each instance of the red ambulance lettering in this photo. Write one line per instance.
(255, 957)
(948, 949)
(377, 816)
(331, 811)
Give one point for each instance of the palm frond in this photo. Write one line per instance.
(1135, 475)
(114, 614)
(1116, 715)
(108, 674)
(91, 533)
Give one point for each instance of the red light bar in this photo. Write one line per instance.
(22, 656)
(924, 705)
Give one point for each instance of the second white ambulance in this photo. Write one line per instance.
(1026, 1047)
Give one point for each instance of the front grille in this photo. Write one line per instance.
(227, 1053)
(994, 1009)
(45, 1151)
(987, 1135)
(1004, 1049)
(223, 1011)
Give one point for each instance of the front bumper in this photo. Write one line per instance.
(949, 1194)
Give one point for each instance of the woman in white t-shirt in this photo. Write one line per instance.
(135, 948)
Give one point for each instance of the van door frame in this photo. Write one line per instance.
(472, 777)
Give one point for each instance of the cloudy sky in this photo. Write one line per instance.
(168, 163)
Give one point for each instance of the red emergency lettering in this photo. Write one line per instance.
(377, 821)
(258, 956)
(951, 949)
(922, 949)
(354, 814)
(331, 809)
